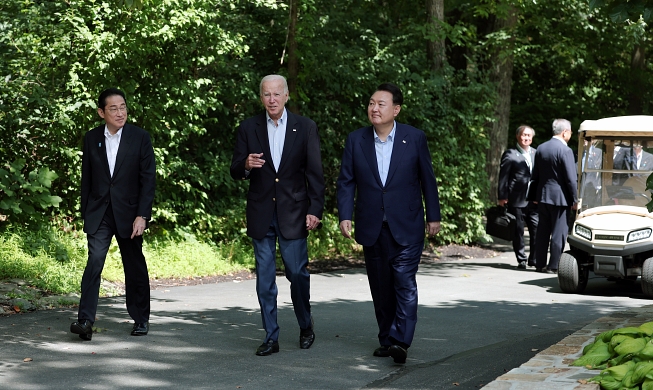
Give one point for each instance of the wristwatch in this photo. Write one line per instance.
(145, 218)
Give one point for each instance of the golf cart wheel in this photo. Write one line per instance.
(647, 277)
(572, 278)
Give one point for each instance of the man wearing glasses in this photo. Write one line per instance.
(118, 181)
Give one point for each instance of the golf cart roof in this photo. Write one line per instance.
(622, 126)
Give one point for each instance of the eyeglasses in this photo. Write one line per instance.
(115, 110)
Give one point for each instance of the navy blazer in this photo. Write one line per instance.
(296, 190)
(514, 176)
(554, 174)
(410, 176)
(131, 188)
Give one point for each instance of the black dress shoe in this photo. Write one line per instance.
(268, 348)
(84, 328)
(398, 353)
(382, 351)
(521, 265)
(550, 271)
(306, 338)
(140, 328)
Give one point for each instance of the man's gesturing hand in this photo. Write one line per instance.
(254, 160)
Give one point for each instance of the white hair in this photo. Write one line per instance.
(560, 125)
(274, 77)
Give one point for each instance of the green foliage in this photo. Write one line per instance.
(623, 355)
(573, 62)
(54, 260)
(191, 68)
(623, 10)
(48, 259)
(25, 195)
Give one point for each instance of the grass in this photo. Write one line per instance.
(53, 260)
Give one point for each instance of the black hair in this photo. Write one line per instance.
(397, 96)
(102, 100)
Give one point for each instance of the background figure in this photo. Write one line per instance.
(387, 166)
(279, 153)
(632, 158)
(514, 178)
(118, 181)
(554, 178)
(592, 159)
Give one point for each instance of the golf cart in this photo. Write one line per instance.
(611, 235)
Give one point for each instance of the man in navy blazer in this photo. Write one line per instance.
(554, 179)
(385, 174)
(118, 182)
(279, 153)
(514, 177)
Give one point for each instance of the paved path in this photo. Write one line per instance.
(478, 319)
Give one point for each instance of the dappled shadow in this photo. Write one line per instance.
(192, 348)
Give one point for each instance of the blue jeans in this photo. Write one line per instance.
(295, 259)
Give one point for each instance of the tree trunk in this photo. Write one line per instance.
(501, 61)
(637, 66)
(435, 45)
(293, 60)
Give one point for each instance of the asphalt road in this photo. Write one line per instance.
(478, 318)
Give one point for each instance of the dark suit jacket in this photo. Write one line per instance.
(296, 190)
(514, 176)
(410, 176)
(130, 190)
(554, 174)
(626, 159)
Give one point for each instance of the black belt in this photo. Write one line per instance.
(384, 224)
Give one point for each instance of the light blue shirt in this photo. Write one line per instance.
(384, 152)
(277, 137)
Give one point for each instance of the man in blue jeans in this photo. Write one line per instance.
(279, 153)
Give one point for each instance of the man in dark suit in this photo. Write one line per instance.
(279, 153)
(554, 179)
(118, 181)
(634, 159)
(387, 168)
(514, 177)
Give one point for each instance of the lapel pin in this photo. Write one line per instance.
(404, 141)
(294, 129)
(99, 145)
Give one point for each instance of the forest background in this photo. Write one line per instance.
(471, 72)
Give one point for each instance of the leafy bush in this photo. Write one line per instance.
(25, 198)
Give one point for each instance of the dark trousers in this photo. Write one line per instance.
(553, 230)
(294, 254)
(525, 215)
(391, 270)
(137, 281)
